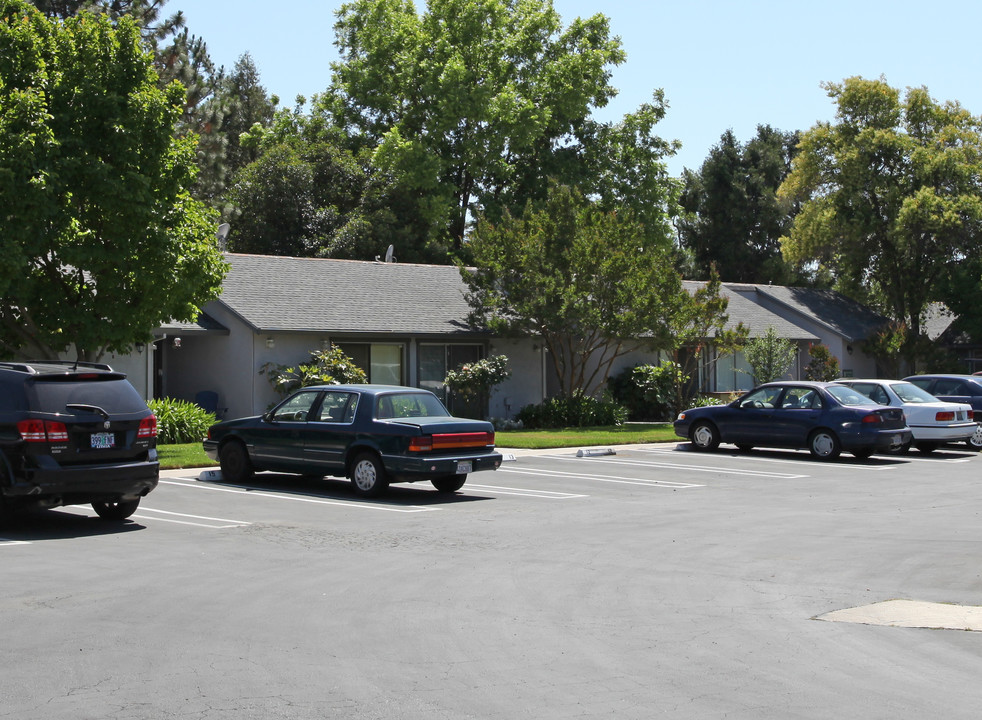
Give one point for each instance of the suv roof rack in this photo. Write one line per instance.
(31, 365)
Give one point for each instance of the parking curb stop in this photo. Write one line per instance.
(507, 457)
(592, 452)
(210, 475)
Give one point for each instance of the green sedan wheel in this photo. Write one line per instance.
(368, 475)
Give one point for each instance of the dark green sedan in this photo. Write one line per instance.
(372, 434)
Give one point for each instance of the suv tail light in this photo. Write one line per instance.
(42, 431)
(148, 427)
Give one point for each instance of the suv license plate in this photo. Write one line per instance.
(464, 466)
(102, 441)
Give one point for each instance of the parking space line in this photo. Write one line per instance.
(5, 541)
(736, 455)
(559, 474)
(523, 492)
(696, 468)
(227, 522)
(938, 459)
(188, 522)
(241, 490)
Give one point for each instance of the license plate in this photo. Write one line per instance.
(464, 466)
(102, 441)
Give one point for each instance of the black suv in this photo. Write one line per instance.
(72, 433)
(956, 388)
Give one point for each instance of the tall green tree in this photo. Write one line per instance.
(474, 105)
(698, 334)
(891, 195)
(101, 240)
(586, 281)
(733, 218)
(769, 356)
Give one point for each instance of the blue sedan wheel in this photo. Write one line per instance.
(704, 436)
(368, 475)
(824, 445)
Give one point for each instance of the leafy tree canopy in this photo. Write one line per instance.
(474, 105)
(891, 196)
(586, 281)
(100, 237)
(734, 218)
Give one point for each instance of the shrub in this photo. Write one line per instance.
(180, 421)
(325, 367)
(769, 356)
(576, 410)
(647, 391)
(477, 379)
(823, 365)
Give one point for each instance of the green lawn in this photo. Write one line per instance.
(191, 455)
(586, 437)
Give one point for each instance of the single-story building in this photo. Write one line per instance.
(407, 324)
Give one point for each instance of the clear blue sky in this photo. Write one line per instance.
(722, 64)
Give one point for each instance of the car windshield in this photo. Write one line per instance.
(848, 396)
(407, 405)
(910, 393)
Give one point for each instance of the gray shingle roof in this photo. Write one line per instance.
(754, 317)
(345, 296)
(205, 323)
(845, 316)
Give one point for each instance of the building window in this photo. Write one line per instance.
(435, 361)
(733, 373)
(384, 363)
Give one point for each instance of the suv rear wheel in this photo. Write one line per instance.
(117, 510)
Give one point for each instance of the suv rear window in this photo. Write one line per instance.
(113, 395)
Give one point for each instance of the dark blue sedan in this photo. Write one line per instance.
(826, 418)
(373, 434)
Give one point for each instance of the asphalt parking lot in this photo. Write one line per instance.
(656, 582)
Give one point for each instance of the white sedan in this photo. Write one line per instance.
(933, 422)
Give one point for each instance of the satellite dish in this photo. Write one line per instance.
(388, 255)
(222, 234)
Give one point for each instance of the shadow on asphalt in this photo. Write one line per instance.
(941, 454)
(58, 524)
(332, 488)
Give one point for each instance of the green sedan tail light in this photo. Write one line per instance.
(451, 441)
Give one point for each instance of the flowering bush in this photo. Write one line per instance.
(477, 379)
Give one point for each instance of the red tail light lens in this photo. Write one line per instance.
(945, 416)
(872, 418)
(451, 441)
(42, 431)
(57, 432)
(148, 427)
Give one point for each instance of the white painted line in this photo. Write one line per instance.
(935, 459)
(602, 478)
(546, 494)
(699, 468)
(737, 455)
(186, 522)
(196, 517)
(5, 541)
(240, 490)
